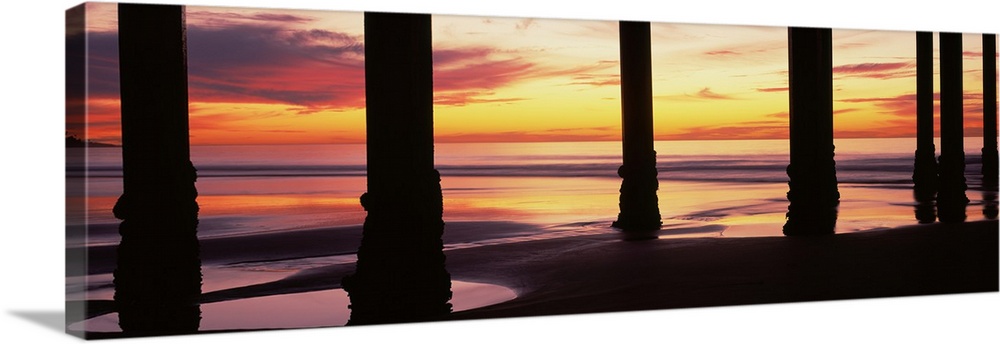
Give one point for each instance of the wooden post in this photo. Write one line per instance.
(639, 208)
(400, 274)
(991, 166)
(951, 198)
(925, 178)
(158, 276)
(813, 196)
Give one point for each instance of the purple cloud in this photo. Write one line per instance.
(877, 70)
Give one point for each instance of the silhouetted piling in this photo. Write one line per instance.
(990, 158)
(990, 204)
(951, 199)
(812, 179)
(925, 164)
(639, 208)
(158, 276)
(400, 275)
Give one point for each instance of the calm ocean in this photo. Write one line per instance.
(244, 189)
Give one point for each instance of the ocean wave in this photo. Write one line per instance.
(229, 162)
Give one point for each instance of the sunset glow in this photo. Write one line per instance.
(295, 77)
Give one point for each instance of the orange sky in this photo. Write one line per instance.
(284, 77)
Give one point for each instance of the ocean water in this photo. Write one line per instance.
(529, 191)
(735, 184)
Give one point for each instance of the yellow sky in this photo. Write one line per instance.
(269, 76)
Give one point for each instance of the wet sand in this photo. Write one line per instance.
(605, 271)
(600, 274)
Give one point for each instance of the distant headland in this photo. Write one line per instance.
(73, 141)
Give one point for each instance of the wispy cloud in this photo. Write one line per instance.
(243, 63)
(840, 111)
(890, 70)
(705, 93)
(227, 119)
(974, 54)
(597, 79)
(468, 75)
(603, 133)
(851, 45)
(773, 89)
(472, 97)
(723, 52)
(905, 105)
(254, 63)
(525, 24)
(751, 53)
(735, 131)
(901, 105)
(263, 58)
(445, 56)
(215, 18)
(474, 71)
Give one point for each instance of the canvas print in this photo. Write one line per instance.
(234, 169)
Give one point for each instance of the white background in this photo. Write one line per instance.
(32, 198)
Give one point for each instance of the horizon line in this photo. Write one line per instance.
(527, 141)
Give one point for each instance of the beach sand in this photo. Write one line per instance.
(567, 272)
(594, 274)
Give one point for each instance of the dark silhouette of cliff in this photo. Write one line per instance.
(951, 199)
(812, 179)
(639, 208)
(73, 142)
(158, 274)
(400, 274)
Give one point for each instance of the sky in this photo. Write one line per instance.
(266, 76)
